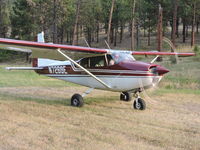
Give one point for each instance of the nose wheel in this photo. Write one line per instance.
(139, 103)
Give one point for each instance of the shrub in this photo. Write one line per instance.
(197, 50)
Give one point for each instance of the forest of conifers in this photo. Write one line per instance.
(67, 21)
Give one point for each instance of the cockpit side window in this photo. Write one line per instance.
(98, 61)
(105, 60)
(85, 62)
(93, 62)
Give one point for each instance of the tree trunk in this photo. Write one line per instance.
(193, 25)
(187, 32)
(115, 40)
(68, 36)
(54, 23)
(177, 28)
(110, 21)
(174, 23)
(89, 36)
(159, 29)
(92, 36)
(62, 34)
(74, 42)
(71, 37)
(121, 31)
(197, 28)
(97, 31)
(133, 26)
(112, 35)
(130, 28)
(149, 32)
(77, 34)
(184, 29)
(138, 35)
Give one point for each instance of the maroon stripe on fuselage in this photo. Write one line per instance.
(70, 71)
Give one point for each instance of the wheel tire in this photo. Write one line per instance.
(141, 104)
(125, 96)
(77, 100)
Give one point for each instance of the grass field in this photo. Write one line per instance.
(35, 113)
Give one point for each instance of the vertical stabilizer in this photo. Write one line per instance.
(40, 37)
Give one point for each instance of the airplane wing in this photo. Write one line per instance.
(48, 50)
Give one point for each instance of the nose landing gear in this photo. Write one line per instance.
(139, 103)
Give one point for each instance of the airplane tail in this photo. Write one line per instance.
(37, 64)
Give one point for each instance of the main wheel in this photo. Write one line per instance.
(77, 100)
(125, 96)
(140, 105)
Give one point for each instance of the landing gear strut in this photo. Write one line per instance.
(139, 103)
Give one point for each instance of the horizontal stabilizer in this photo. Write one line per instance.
(23, 68)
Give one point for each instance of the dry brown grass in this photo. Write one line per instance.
(171, 121)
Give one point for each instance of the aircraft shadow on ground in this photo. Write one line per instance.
(58, 101)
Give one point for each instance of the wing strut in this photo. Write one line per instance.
(92, 75)
(155, 59)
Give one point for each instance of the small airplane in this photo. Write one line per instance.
(105, 69)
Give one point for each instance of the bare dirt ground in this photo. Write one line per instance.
(38, 118)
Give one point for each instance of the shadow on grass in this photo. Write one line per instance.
(57, 101)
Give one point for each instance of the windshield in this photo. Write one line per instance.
(121, 57)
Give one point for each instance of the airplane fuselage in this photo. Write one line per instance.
(123, 76)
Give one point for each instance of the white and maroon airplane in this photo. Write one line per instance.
(105, 69)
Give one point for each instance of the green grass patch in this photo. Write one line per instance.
(181, 79)
(184, 75)
(162, 91)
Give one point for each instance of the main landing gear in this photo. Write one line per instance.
(138, 103)
(125, 96)
(77, 99)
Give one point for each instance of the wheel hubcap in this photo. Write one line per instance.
(138, 105)
(75, 102)
(125, 97)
